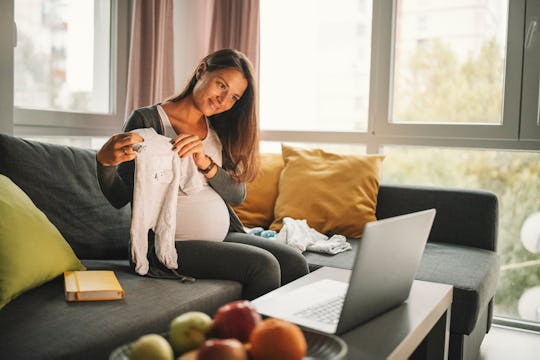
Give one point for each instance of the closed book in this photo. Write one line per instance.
(92, 285)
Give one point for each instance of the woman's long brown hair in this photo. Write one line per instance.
(237, 128)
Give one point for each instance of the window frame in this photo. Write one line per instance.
(8, 37)
(517, 124)
(383, 44)
(33, 122)
(530, 102)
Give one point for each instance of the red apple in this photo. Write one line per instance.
(222, 349)
(236, 320)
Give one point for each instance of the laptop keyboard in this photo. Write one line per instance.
(327, 312)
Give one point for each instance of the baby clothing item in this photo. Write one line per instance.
(334, 245)
(300, 236)
(259, 231)
(203, 215)
(159, 176)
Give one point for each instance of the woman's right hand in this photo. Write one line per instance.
(118, 149)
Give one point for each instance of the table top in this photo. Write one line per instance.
(394, 334)
(397, 332)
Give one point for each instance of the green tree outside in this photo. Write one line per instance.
(440, 89)
(437, 88)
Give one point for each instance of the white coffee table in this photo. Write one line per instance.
(418, 328)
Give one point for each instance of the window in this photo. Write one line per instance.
(56, 66)
(68, 64)
(509, 174)
(445, 80)
(445, 73)
(315, 64)
(449, 105)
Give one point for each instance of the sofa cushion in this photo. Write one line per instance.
(79, 210)
(473, 273)
(258, 207)
(32, 251)
(42, 325)
(335, 194)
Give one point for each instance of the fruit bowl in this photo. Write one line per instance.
(320, 346)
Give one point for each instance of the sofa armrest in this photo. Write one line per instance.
(464, 217)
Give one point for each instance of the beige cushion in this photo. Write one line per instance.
(335, 194)
(258, 207)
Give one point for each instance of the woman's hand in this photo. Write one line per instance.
(118, 149)
(186, 145)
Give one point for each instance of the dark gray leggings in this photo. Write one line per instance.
(260, 265)
(292, 264)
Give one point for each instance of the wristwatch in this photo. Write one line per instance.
(209, 167)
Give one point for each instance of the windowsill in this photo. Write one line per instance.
(518, 324)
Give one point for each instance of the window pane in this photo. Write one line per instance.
(449, 61)
(512, 175)
(62, 55)
(315, 64)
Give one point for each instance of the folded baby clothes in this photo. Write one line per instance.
(298, 234)
(334, 245)
(159, 175)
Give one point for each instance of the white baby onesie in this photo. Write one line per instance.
(159, 175)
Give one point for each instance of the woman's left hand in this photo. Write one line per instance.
(186, 145)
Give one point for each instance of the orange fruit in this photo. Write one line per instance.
(277, 339)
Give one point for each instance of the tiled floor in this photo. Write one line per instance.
(504, 343)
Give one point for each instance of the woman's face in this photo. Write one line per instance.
(217, 91)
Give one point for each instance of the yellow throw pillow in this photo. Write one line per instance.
(32, 250)
(258, 207)
(335, 194)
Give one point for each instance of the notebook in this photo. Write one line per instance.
(383, 272)
(92, 285)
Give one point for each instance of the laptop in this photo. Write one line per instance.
(384, 268)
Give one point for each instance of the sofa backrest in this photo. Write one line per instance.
(464, 217)
(62, 182)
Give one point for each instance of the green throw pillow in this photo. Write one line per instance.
(32, 250)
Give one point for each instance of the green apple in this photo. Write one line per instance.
(189, 330)
(151, 347)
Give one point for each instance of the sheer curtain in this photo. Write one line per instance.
(234, 24)
(150, 71)
(221, 24)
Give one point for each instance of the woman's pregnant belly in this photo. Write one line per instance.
(201, 216)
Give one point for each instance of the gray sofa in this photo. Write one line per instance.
(461, 251)
(40, 324)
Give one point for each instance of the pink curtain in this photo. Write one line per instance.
(235, 24)
(151, 71)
